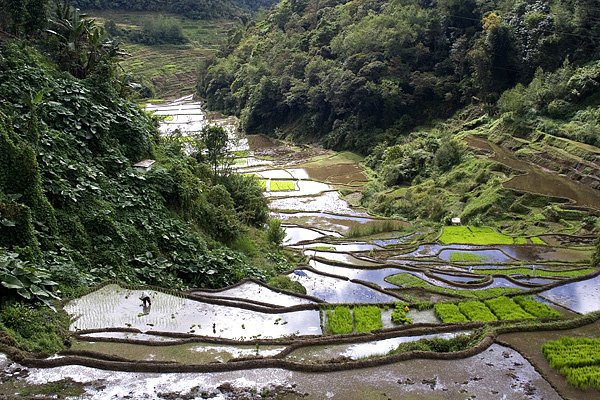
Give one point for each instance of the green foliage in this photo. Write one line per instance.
(473, 235)
(449, 313)
(538, 272)
(158, 30)
(506, 309)
(457, 343)
(476, 311)
(275, 233)
(339, 320)
(596, 256)
(280, 186)
(535, 308)
(214, 142)
(406, 280)
(576, 358)
(35, 329)
(465, 256)
(284, 282)
(367, 318)
(399, 315)
(373, 228)
(29, 281)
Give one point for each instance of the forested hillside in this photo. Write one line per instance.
(73, 210)
(347, 72)
(198, 9)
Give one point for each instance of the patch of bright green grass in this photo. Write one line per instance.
(449, 313)
(538, 272)
(476, 235)
(280, 186)
(262, 183)
(465, 256)
(339, 320)
(367, 318)
(406, 280)
(476, 311)
(537, 240)
(323, 248)
(536, 308)
(576, 358)
(506, 309)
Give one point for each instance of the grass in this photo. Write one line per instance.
(476, 311)
(281, 186)
(449, 313)
(437, 345)
(465, 256)
(406, 280)
(339, 320)
(538, 272)
(477, 235)
(535, 308)
(506, 309)
(576, 358)
(537, 240)
(374, 228)
(367, 318)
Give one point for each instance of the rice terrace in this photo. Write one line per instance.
(360, 200)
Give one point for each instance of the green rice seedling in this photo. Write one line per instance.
(339, 320)
(476, 235)
(465, 256)
(536, 308)
(399, 315)
(406, 280)
(538, 272)
(576, 358)
(262, 183)
(281, 186)
(449, 313)
(476, 311)
(506, 309)
(583, 377)
(367, 318)
(537, 240)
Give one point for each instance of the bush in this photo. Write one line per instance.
(36, 329)
(399, 315)
(275, 233)
(284, 282)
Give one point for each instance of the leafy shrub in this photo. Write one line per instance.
(284, 282)
(367, 318)
(339, 320)
(35, 329)
(275, 233)
(449, 313)
(399, 315)
(25, 279)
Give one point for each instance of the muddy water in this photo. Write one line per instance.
(475, 377)
(536, 180)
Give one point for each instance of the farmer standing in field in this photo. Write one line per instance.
(145, 298)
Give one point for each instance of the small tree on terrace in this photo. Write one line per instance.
(215, 141)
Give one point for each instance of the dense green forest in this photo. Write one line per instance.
(402, 81)
(73, 210)
(350, 71)
(198, 9)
